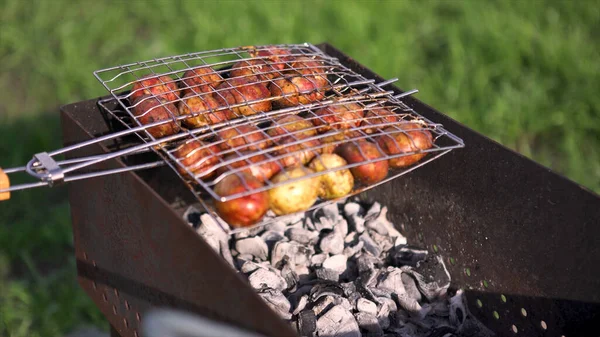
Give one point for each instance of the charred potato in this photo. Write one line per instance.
(335, 137)
(200, 80)
(259, 166)
(241, 91)
(292, 124)
(295, 91)
(162, 87)
(206, 106)
(394, 142)
(243, 211)
(198, 157)
(334, 184)
(254, 70)
(377, 119)
(239, 136)
(149, 109)
(296, 154)
(311, 69)
(339, 116)
(276, 56)
(361, 151)
(294, 196)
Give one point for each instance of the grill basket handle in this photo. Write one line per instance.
(4, 184)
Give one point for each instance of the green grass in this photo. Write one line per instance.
(525, 73)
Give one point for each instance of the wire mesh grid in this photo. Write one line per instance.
(264, 110)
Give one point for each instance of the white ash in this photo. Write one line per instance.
(350, 251)
(344, 270)
(336, 263)
(352, 208)
(370, 245)
(364, 305)
(301, 235)
(248, 266)
(210, 230)
(368, 322)
(330, 211)
(262, 278)
(332, 242)
(322, 304)
(341, 227)
(327, 274)
(276, 226)
(318, 259)
(338, 322)
(301, 304)
(251, 232)
(271, 237)
(254, 246)
(277, 301)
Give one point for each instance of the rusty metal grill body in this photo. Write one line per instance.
(520, 239)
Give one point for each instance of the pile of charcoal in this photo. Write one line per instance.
(344, 270)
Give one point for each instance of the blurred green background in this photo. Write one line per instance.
(525, 73)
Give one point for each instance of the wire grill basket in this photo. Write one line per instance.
(256, 109)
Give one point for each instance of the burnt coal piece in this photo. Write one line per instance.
(344, 271)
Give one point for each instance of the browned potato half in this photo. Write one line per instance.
(149, 109)
(395, 142)
(294, 196)
(334, 184)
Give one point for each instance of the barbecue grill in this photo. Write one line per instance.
(518, 238)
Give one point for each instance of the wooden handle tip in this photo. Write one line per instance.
(4, 184)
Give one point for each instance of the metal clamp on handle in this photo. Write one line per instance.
(4, 185)
(52, 173)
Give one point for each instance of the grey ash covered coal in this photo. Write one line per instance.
(345, 271)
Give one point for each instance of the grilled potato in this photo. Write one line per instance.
(240, 90)
(334, 184)
(294, 196)
(198, 157)
(162, 87)
(200, 80)
(362, 151)
(149, 109)
(415, 139)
